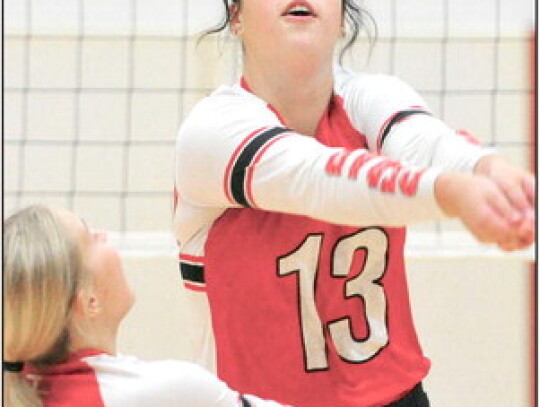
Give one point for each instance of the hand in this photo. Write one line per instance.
(519, 188)
(485, 210)
(525, 235)
(518, 185)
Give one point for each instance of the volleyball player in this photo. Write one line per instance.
(65, 295)
(293, 188)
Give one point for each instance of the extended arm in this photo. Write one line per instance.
(242, 156)
(397, 123)
(231, 154)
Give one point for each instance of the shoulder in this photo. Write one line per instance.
(221, 117)
(132, 368)
(368, 85)
(372, 99)
(228, 103)
(131, 381)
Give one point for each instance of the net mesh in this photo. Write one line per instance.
(95, 91)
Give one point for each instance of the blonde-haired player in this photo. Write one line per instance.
(65, 295)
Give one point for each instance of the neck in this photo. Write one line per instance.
(93, 337)
(299, 89)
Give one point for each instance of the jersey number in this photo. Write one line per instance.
(365, 286)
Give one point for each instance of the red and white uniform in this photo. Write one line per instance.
(91, 378)
(292, 246)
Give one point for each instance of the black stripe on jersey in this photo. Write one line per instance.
(192, 272)
(397, 118)
(238, 176)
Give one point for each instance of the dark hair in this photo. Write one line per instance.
(356, 17)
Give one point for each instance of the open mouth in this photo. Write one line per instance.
(299, 9)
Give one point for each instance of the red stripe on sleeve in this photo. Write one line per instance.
(251, 169)
(385, 124)
(190, 259)
(232, 160)
(468, 136)
(194, 287)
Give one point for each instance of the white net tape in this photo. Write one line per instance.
(420, 245)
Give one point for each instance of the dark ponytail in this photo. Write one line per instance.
(357, 19)
(224, 22)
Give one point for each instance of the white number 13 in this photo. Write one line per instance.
(366, 285)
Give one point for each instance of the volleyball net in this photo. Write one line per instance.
(95, 91)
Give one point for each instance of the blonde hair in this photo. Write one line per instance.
(42, 274)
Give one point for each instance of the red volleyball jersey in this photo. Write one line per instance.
(298, 294)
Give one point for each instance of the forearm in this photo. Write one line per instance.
(426, 141)
(362, 189)
(297, 175)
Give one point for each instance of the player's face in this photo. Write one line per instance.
(103, 262)
(282, 26)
